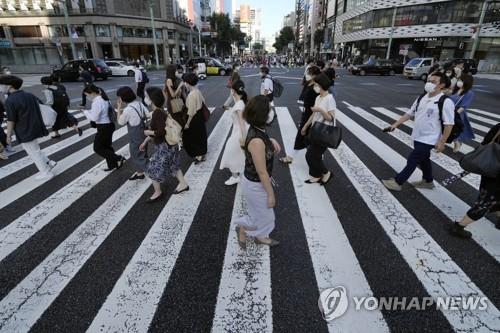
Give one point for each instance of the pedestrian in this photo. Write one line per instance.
(256, 184)
(87, 80)
(234, 157)
(101, 117)
(488, 200)
(308, 97)
(139, 81)
(427, 132)
(174, 90)
(133, 113)
(3, 136)
(450, 73)
(235, 76)
(165, 160)
(57, 98)
(25, 120)
(322, 111)
(194, 136)
(463, 99)
(330, 72)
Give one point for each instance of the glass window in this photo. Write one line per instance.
(159, 33)
(426, 63)
(2, 32)
(382, 18)
(102, 30)
(128, 32)
(171, 34)
(140, 32)
(119, 31)
(26, 31)
(404, 16)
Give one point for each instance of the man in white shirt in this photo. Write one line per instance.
(430, 130)
(139, 81)
(266, 89)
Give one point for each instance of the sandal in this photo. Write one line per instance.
(286, 160)
(243, 245)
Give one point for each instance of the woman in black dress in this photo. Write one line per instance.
(194, 136)
(489, 195)
(308, 95)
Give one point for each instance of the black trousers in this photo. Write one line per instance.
(3, 137)
(314, 158)
(84, 97)
(140, 90)
(103, 144)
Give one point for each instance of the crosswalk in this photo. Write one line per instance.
(62, 270)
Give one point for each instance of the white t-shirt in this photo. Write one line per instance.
(427, 125)
(138, 75)
(131, 116)
(98, 111)
(327, 103)
(267, 83)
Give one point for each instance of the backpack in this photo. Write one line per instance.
(277, 88)
(145, 77)
(61, 99)
(112, 114)
(173, 131)
(143, 123)
(458, 127)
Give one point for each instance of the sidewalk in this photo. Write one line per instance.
(489, 76)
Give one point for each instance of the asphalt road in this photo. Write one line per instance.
(83, 252)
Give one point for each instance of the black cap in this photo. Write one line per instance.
(11, 80)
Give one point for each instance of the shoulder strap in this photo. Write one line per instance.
(418, 101)
(495, 138)
(136, 111)
(440, 104)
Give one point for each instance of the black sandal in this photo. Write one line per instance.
(183, 190)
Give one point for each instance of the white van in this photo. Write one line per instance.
(418, 68)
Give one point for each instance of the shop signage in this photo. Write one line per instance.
(5, 44)
(426, 39)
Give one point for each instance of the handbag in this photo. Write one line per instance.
(325, 135)
(205, 112)
(48, 115)
(177, 105)
(173, 131)
(484, 160)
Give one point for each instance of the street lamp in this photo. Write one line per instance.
(475, 45)
(68, 27)
(154, 33)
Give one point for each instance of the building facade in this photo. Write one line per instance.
(440, 29)
(35, 35)
(250, 23)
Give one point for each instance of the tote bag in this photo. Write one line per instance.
(326, 135)
(484, 160)
(48, 115)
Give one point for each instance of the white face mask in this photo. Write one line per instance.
(308, 77)
(148, 101)
(448, 74)
(237, 69)
(460, 84)
(317, 89)
(179, 75)
(458, 71)
(429, 87)
(4, 88)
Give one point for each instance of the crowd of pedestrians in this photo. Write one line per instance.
(174, 118)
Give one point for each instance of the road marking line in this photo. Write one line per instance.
(135, 296)
(326, 239)
(29, 184)
(454, 208)
(486, 113)
(24, 304)
(244, 298)
(24, 227)
(438, 273)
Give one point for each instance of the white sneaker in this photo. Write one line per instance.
(232, 181)
(44, 176)
(52, 164)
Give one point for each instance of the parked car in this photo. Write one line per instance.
(121, 68)
(69, 72)
(470, 65)
(381, 67)
(214, 66)
(418, 68)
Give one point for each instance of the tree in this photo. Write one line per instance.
(258, 46)
(284, 38)
(226, 34)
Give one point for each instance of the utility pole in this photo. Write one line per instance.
(199, 41)
(388, 55)
(68, 27)
(154, 33)
(475, 45)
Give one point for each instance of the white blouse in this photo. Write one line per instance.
(98, 111)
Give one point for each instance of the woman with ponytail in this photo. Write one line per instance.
(234, 157)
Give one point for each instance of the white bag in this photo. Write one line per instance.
(173, 131)
(48, 115)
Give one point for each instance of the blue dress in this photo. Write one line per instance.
(464, 102)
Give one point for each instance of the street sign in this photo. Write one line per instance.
(5, 44)
(206, 33)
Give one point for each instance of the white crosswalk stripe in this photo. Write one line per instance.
(246, 297)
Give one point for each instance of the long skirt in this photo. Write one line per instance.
(467, 133)
(194, 139)
(260, 220)
(163, 163)
(138, 158)
(64, 119)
